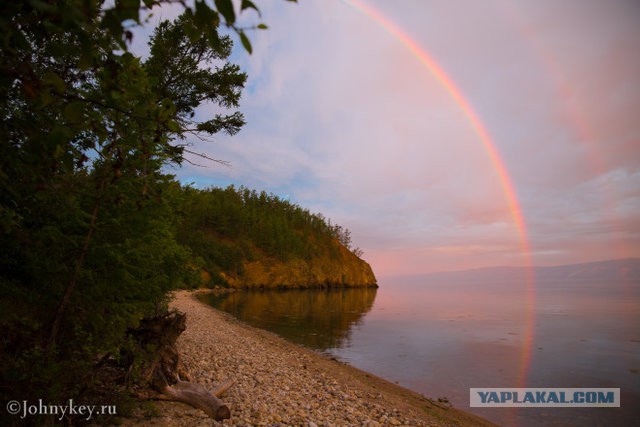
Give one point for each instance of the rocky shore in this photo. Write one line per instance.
(280, 384)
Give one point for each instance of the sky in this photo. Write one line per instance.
(345, 117)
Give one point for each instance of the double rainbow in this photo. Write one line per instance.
(498, 164)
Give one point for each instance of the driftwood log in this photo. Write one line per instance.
(198, 397)
(163, 371)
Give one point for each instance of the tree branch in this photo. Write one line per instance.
(205, 156)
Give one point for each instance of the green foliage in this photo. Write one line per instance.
(228, 227)
(87, 218)
(180, 72)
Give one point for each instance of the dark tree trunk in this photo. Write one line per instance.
(163, 371)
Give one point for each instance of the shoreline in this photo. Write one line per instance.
(280, 383)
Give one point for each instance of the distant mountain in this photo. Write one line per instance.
(613, 270)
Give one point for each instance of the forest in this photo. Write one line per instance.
(225, 228)
(94, 233)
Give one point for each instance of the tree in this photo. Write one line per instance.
(86, 214)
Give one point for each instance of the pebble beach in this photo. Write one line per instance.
(277, 383)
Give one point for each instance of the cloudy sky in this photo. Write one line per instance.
(345, 118)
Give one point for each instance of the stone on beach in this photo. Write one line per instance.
(277, 383)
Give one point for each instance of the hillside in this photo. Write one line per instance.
(245, 239)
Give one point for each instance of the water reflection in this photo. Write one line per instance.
(319, 319)
(441, 339)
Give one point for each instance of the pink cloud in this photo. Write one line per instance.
(345, 120)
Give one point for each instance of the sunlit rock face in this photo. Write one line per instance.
(341, 269)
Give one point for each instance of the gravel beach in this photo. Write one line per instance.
(280, 384)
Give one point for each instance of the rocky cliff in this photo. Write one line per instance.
(245, 239)
(343, 269)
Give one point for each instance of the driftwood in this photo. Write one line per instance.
(222, 388)
(164, 372)
(196, 396)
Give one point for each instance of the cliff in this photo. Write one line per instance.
(244, 239)
(341, 270)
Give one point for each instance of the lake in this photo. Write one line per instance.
(440, 339)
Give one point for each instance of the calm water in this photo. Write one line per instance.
(441, 339)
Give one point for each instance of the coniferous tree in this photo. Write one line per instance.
(87, 218)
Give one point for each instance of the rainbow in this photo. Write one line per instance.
(583, 132)
(498, 164)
